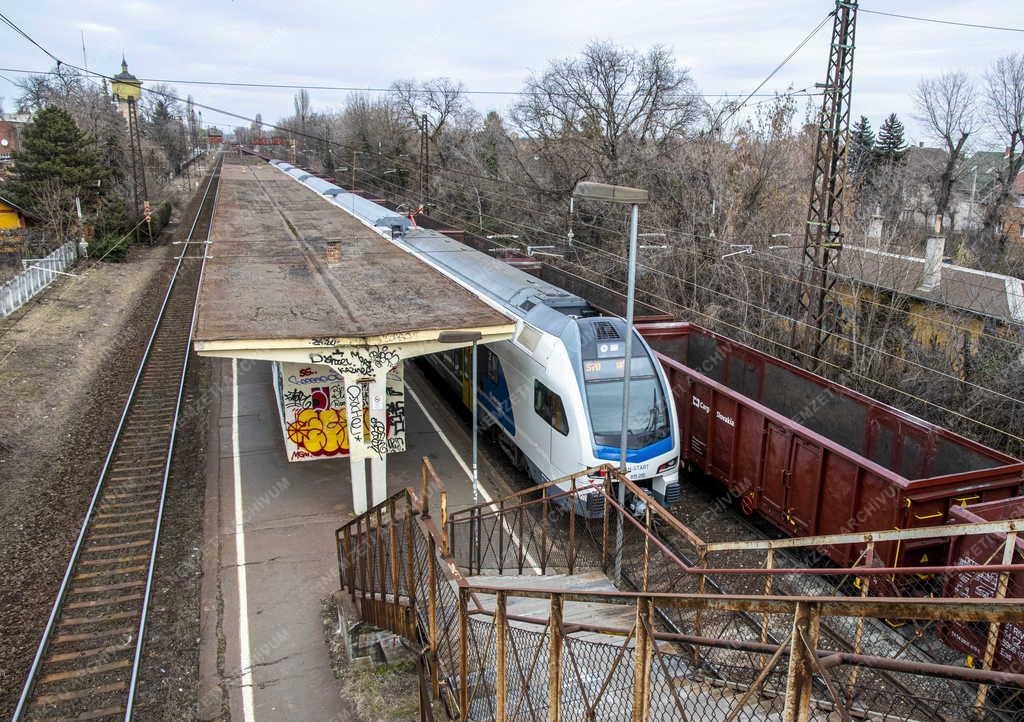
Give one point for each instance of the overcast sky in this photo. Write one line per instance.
(729, 45)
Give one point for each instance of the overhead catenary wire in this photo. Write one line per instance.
(853, 280)
(782, 345)
(790, 348)
(959, 23)
(376, 89)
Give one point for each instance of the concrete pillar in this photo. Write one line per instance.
(934, 254)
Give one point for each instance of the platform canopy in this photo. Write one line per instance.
(292, 277)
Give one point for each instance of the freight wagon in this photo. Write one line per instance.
(971, 637)
(815, 457)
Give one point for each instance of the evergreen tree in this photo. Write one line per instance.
(54, 152)
(891, 145)
(862, 146)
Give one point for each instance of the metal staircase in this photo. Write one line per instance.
(517, 615)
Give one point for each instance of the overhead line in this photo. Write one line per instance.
(941, 22)
(371, 89)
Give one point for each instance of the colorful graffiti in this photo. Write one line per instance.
(314, 406)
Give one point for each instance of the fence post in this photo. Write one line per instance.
(641, 661)
(993, 627)
(501, 537)
(555, 659)
(445, 551)
(858, 634)
(802, 643)
(425, 489)
(572, 528)
(432, 610)
(500, 674)
(545, 520)
(396, 607)
(410, 558)
(463, 653)
(647, 547)
(606, 489)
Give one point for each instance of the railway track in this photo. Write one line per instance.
(87, 663)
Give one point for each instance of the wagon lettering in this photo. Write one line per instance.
(701, 405)
(724, 419)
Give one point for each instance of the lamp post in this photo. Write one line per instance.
(634, 197)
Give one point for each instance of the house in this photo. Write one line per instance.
(12, 216)
(11, 127)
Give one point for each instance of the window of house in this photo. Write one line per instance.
(548, 406)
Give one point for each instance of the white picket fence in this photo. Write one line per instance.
(38, 274)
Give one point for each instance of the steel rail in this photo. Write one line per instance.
(76, 550)
(147, 593)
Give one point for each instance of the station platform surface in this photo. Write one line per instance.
(261, 627)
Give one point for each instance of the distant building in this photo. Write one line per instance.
(12, 217)
(11, 127)
(126, 89)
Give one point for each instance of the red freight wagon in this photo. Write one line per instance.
(815, 457)
(978, 549)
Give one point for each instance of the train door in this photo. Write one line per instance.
(562, 452)
(775, 479)
(804, 489)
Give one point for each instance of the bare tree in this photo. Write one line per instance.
(606, 101)
(946, 108)
(1004, 100)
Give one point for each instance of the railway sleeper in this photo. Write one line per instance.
(126, 633)
(104, 536)
(57, 697)
(86, 671)
(107, 587)
(122, 524)
(113, 560)
(104, 602)
(116, 547)
(90, 653)
(115, 572)
(130, 504)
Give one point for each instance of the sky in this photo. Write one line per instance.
(728, 45)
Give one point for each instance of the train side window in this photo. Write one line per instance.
(548, 406)
(492, 365)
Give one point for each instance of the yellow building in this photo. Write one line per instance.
(12, 218)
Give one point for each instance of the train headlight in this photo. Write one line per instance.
(668, 465)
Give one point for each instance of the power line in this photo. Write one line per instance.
(942, 22)
(371, 89)
(779, 67)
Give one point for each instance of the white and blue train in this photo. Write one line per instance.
(552, 395)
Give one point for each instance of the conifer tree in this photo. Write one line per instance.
(891, 145)
(862, 145)
(54, 151)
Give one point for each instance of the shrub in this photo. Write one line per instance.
(110, 248)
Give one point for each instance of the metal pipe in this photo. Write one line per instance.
(626, 378)
(475, 476)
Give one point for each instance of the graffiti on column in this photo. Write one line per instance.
(315, 403)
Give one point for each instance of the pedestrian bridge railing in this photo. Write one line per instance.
(686, 640)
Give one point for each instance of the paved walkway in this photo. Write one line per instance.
(269, 545)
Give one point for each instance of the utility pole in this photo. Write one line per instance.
(353, 188)
(823, 234)
(424, 159)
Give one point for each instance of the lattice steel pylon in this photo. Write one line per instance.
(823, 234)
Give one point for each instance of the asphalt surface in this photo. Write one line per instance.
(279, 522)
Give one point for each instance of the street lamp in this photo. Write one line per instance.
(634, 197)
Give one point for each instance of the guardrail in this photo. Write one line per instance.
(38, 273)
(706, 642)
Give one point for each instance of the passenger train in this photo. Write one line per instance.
(552, 395)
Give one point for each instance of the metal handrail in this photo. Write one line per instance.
(72, 562)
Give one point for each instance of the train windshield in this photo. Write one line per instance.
(648, 412)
